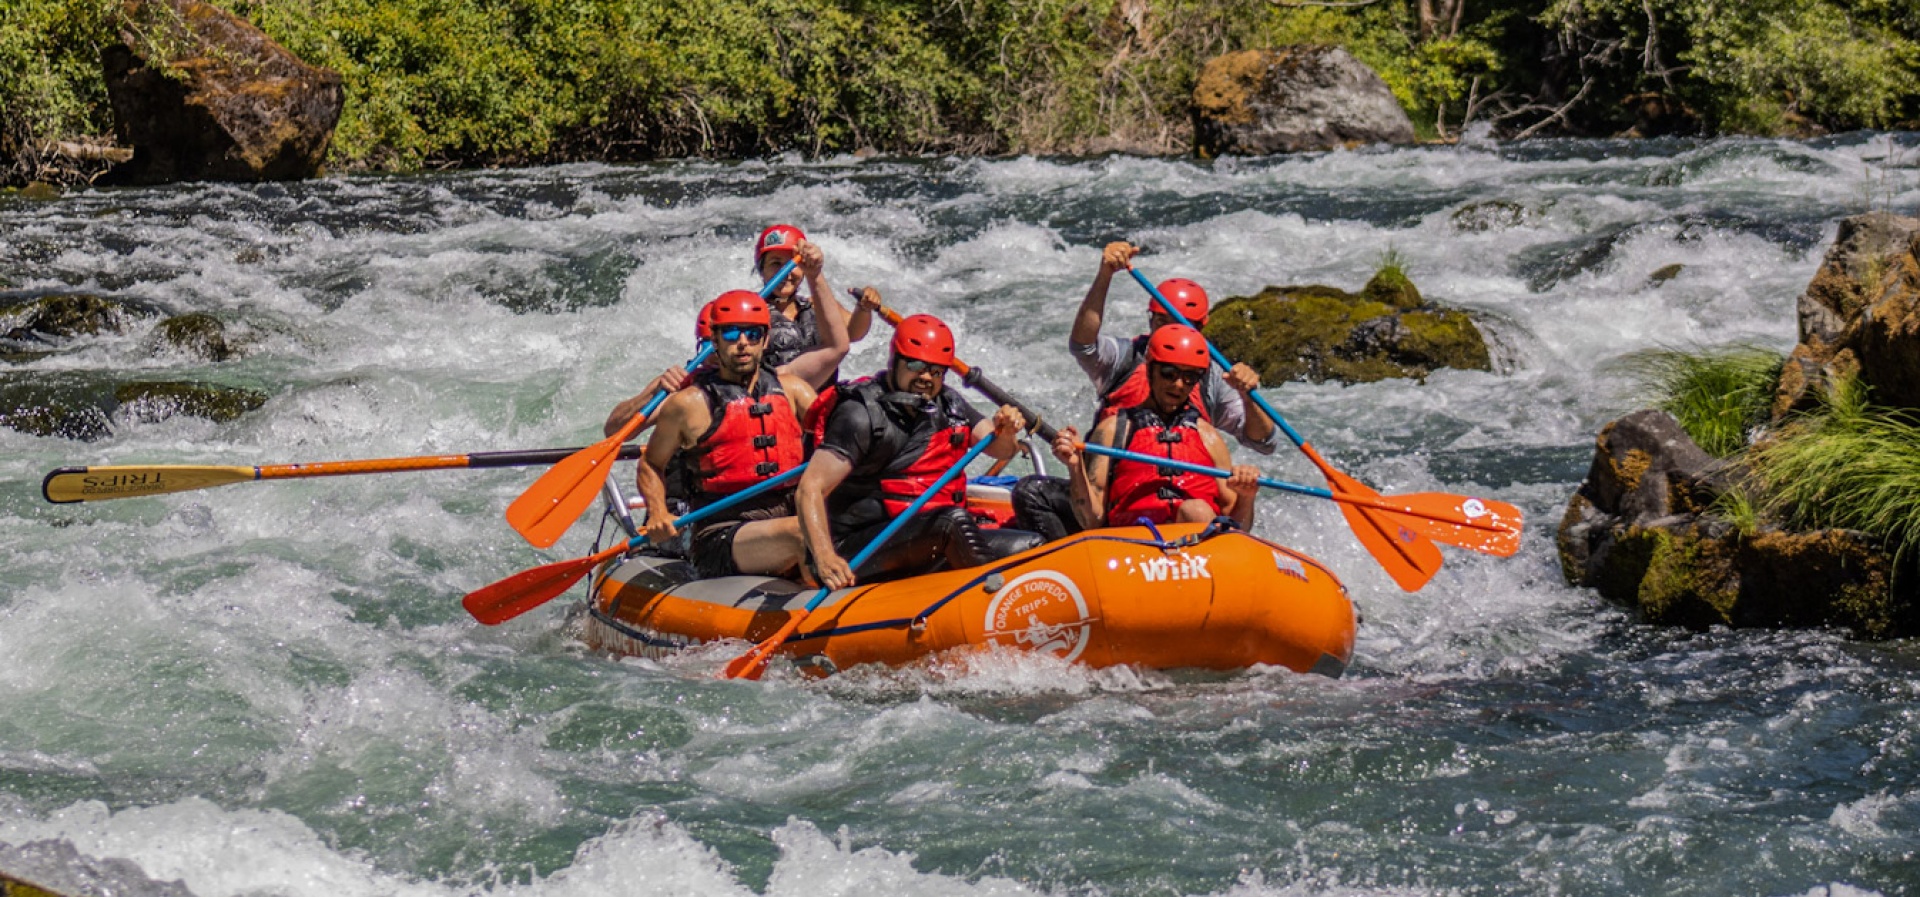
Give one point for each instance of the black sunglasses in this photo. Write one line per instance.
(1179, 373)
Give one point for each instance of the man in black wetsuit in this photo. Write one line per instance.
(881, 442)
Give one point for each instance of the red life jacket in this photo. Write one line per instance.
(1136, 490)
(1128, 386)
(913, 441)
(754, 435)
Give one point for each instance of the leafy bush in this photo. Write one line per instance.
(50, 83)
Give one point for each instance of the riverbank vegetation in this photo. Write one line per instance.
(434, 83)
(1847, 464)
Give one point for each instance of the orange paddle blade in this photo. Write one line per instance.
(1477, 524)
(528, 589)
(753, 664)
(1410, 558)
(542, 514)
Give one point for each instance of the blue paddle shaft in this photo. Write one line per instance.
(1218, 358)
(653, 404)
(1123, 454)
(900, 520)
(778, 278)
(699, 514)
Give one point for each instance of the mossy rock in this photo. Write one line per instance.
(199, 334)
(150, 402)
(69, 315)
(1320, 333)
(1495, 214)
(1664, 274)
(67, 406)
(1391, 286)
(83, 406)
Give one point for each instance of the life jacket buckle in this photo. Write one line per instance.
(765, 440)
(760, 409)
(1169, 436)
(765, 469)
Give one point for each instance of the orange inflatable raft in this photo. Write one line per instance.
(1184, 596)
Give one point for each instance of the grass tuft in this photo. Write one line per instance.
(1849, 465)
(1719, 396)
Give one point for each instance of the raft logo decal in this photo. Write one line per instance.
(1474, 509)
(1165, 569)
(1290, 566)
(1041, 611)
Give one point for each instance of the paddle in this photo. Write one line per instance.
(754, 663)
(542, 514)
(1408, 557)
(74, 484)
(528, 589)
(1483, 525)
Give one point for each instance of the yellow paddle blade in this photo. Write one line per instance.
(71, 484)
(542, 514)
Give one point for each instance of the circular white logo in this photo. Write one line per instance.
(1474, 509)
(1040, 611)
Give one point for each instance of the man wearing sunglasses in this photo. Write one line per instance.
(1116, 367)
(737, 424)
(882, 441)
(1115, 492)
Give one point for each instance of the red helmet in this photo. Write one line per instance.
(702, 328)
(924, 337)
(1179, 345)
(739, 307)
(780, 236)
(1185, 296)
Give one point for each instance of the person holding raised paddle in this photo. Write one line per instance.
(1166, 423)
(1117, 369)
(881, 441)
(796, 321)
(737, 424)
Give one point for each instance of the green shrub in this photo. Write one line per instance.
(50, 81)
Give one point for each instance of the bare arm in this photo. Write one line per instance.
(671, 380)
(1237, 491)
(1004, 426)
(824, 474)
(862, 319)
(816, 365)
(1093, 307)
(669, 431)
(1258, 428)
(1087, 481)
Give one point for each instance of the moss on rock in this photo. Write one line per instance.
(1318, 332)
(158, 401)
(198, 333)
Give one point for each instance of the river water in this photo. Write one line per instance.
(271, 688)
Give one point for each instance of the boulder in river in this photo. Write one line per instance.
(1643, 531)
(1293, 99)
(200, 94)
(1860, 316)
(83, 406)
(64, 316)
(1323, 333)
(198, 334)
